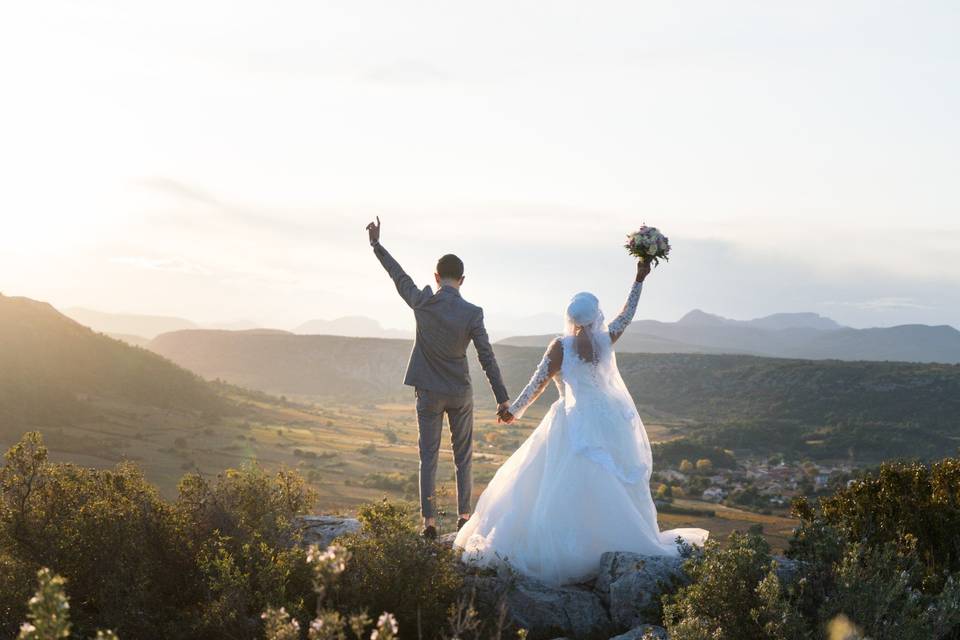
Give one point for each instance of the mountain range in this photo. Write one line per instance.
(53, 371)
(783, 335)
(138, 330)
(820, 408)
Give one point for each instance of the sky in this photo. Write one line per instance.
(219, 160)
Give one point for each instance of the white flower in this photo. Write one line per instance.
(316, 625)
(387, 624)
(652, 249)
(333, 558)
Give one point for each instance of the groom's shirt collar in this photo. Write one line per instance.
(449, 289)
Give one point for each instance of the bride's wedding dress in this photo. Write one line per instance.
(579, 485)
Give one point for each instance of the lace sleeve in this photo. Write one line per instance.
(619, 324)
(547, 368)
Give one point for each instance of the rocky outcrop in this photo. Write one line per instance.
(644, 632)
(544, 611)
(630, 585)
(625, 595)
(322, 530)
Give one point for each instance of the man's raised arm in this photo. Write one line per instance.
(407, 289)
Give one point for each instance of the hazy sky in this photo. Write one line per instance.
(219, 160)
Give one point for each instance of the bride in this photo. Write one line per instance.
(580, 484)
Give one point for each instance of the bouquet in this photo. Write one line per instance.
(648, 244)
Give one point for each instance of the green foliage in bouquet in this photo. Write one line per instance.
(648, 244)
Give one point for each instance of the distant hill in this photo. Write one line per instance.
(54, 370)
(283, 363)
(785, 335)
(805, 320)
(127, 323)
(352, 326)
(785, 397)
(136, 341)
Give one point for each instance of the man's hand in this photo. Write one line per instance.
(643, 269)
(373, 230)
(503, 413)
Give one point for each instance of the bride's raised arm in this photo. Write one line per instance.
(548, 367)
(619, 324)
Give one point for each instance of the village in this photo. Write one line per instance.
(758, 484)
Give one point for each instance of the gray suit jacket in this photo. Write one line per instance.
(446, 323)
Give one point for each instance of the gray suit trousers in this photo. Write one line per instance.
(431, 407)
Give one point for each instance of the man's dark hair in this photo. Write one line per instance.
(450, 266)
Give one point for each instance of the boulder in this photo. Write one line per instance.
(545, 611)
(644, 631)
(787, 569)
(448, 538)
(321, 530)
(631, 584)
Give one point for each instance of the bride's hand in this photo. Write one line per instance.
(505, 417)
(643, 270)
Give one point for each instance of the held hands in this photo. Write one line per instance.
(373, 230)
(503, 414)
(643, 269)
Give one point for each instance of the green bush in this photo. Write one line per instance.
(202, 567)
(912, 505)
(880, 556)
(107, 531)
(734, 595)
(49, 612)
(392, 568)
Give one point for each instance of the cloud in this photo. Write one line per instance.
(173, 265)
(406, 72)
(883, 304)
(179, 190)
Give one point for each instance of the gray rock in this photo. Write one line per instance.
(631, 584)
(448, 538)
(321, 530)
(638, 633)
(544, 611)
(787, 569)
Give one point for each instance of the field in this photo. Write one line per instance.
(350, 453)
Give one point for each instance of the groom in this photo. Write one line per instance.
(438, 370)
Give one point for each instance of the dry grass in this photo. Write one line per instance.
(349, 442)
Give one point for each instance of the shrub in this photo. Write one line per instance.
(49, 616)
(241, 530)
(203, 567)
(107, 531)
(734, 595)
(406, 483)
(911, 505)
(392, 568)
(876, 589)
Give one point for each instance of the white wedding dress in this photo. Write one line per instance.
(579, 485)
